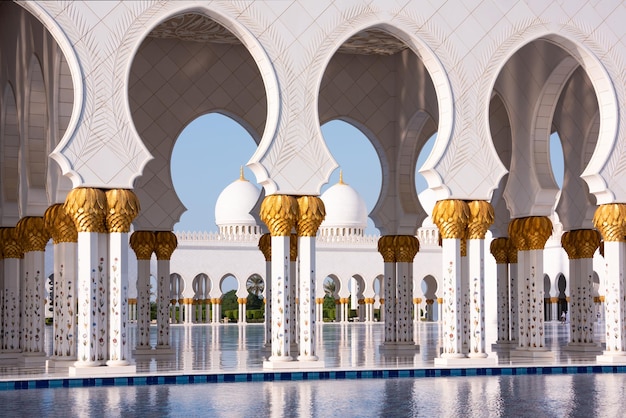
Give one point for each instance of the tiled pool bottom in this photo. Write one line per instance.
(302, 376)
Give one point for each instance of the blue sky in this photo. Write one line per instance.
(210, 151)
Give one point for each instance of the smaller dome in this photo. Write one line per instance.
(235, 203)
(345, 208)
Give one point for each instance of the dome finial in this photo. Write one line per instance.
(241, 176)
(341, 177)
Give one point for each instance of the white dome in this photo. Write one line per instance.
(235, 203)
(344, 207)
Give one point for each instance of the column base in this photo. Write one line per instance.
(586, 347)
(143, 351)
(503, 345)
(612, 357)
(93, 371)
(59, 363)
(10, 357)
(278, 362)
(300, 364)
(33, 358)
(466, 361)
(531, 353)
(398, 347)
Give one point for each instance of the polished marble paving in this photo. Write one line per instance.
(233, 348)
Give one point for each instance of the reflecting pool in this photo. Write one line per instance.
(582, 395)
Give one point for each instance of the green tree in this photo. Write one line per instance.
(229, 301)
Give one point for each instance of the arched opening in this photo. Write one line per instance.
(429, 309)
(562, 304)
(363, 174)
(10, 137)
(255, 306)
(356, 286)
(177, 286)
(543, 89)
(331, 286)
(229, 285)
(379, 86)
(210, 151)
(548, 301)
(177, 76)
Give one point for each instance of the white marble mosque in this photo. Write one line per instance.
(94, 95)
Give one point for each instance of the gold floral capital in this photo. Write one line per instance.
(481, 218)
(60, 225)
(512, 252)
(143, 244)
(280, 214)
(451, 217)
(122, 208)
(580, 243)
(499, 248)
(311, 214)
(406, 246)
(386, 247)
(11, 247)
(610, 220)
(33, 234)
(165, 244)
(265, 245)
(87, 207)
(530, 233)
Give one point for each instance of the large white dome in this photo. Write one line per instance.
(235, 203)
(345, 208)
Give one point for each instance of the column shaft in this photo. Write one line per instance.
(281, 302)
(452, 327)
(119, 352)
(477, 298)
(306, 249)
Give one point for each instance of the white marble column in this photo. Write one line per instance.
(11, 326)
(529, 236)
(279, 212)
(465, 295)
(143, 244)
(165, 244)
(265, 245)
(241, 310)
(64, 237)
(311, 213)
(406, 247)
(481, 218)
(513, 295)
(33, 237)
(87, 207)
(610, 220)
(451, 217)
(499, 250)
(293, 291)
(580, 246)
(123, 207)
(386, 247)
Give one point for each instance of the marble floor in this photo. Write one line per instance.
(233, 348)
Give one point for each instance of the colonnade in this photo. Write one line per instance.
(398, 252)
(463, 312)
(291, 264)
(144, 244)
(90, 306)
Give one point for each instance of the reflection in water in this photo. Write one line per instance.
(583, 395)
